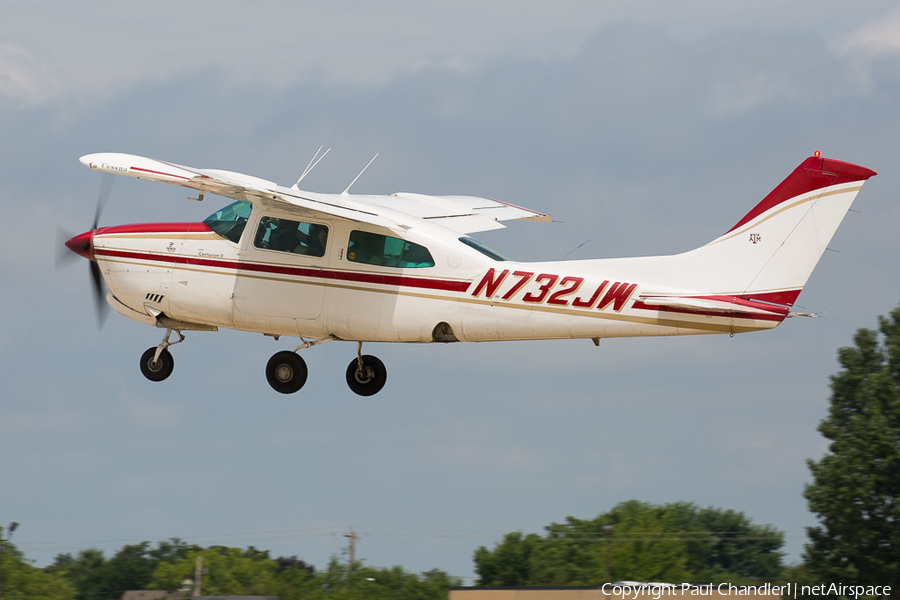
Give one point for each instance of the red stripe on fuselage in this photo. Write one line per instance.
(395, 280)
(157, 228)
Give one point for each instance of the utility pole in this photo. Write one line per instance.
(352, 550)
(198, 575)
(10, 529)
(607, 531)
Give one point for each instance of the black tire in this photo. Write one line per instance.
(157, 370)
(286, 372)
(371, 381)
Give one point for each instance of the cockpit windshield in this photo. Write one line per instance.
(484, 249)
(229, 222)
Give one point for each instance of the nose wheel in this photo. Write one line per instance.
(157, 368)
(366, 374)
(157, 362)
(286, 372)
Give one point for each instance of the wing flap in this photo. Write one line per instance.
(434, 207)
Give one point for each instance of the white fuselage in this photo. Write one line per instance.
(193, 275)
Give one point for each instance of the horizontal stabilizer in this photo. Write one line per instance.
(720, 305)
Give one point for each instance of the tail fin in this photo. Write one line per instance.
(771, 252)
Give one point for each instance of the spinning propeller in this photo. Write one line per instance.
(82, 245)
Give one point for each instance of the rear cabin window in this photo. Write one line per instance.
(229, 222)
(375, 249)
(295, 237)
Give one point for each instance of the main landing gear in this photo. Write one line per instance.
(366, 375)
(286, 371)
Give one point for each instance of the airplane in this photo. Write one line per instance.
(403, 268)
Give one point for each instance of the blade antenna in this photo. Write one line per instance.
(346, 192)
(311, 165)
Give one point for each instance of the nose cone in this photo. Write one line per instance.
(82, 245)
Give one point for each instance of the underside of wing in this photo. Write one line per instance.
(462, 214)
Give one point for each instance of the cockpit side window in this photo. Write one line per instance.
(375, 249)
(229, 222)
(296, 237)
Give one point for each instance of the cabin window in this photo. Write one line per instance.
(229, 222)
(375, 249)
(484, 248)
(296, 237)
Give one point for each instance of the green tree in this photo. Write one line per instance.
(673, 542)
(22, 581)
(227, 571)
(855, 492)
(131, 568)
(85, 571)
(509, 563)
(340, 581)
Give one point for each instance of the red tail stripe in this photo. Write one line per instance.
(786, 298)
(812, 174)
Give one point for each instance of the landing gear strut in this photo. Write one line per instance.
(286, 372)
(366, 374)
(157, 362)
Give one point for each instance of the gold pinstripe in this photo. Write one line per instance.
(659, 321)
(781, 210)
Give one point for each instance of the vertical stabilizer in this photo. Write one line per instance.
(770, 253)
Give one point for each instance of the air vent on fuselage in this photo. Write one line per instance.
(154, 297)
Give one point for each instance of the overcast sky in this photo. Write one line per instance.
(642, 127)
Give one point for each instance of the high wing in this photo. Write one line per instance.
(462, 214)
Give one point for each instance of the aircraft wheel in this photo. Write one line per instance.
(157, 370)
(371, 380)
(286, 372)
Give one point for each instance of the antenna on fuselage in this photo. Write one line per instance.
(346, 192)
(575, 248)
(311, 165)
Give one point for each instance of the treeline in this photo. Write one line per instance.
(635, 540)
(89, 575)
(676, 542)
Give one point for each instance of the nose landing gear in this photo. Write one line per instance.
(157, 368)
(157, 362)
